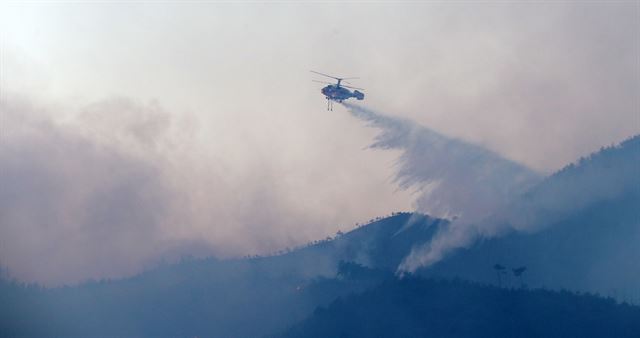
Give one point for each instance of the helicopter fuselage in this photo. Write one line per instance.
(339, 93)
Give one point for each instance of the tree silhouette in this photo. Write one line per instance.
(518, 273)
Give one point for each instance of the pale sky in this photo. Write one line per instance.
(213, 107)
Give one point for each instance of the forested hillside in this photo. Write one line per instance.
(582, 231)
(414, 307)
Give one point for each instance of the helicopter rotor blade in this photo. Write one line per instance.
(323, 82)
(333, 77)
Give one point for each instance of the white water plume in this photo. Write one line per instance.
(453, 179)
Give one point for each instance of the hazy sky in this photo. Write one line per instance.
(135, 132)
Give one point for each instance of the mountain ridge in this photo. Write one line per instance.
(261, 295)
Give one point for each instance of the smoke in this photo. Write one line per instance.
(452, 179)
(605, 175)
(93, 189)
(89, 199)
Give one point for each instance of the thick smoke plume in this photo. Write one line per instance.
(108, 188)
(78, 203)
(453, 179)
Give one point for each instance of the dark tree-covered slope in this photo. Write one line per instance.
(446, 309)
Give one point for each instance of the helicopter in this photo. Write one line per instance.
(337, 91)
